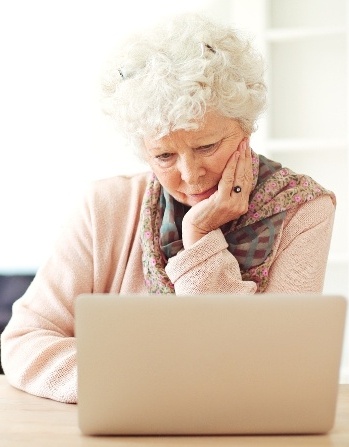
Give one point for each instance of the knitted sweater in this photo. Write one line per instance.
(99, 251)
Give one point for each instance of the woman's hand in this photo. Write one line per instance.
(225, 204)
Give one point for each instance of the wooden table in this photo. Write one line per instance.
(26, 420)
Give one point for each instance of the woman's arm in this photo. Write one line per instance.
(299, 263)
(38, 351)
(207, 266)
(301, 259)
(38, 345)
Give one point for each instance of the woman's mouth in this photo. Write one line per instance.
(204, 195)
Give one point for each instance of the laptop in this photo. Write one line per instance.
(209, 364)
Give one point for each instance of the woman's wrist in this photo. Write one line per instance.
(190, 234)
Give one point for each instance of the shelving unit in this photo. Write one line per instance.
(306, 127)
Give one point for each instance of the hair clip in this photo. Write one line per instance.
(121, 74)
(206, 46)
(210, 48)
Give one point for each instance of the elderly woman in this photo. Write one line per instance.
(211, 215)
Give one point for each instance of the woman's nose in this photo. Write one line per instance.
(191, 170)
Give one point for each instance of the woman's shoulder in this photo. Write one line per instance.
(312, 212)
(114, 195)
(117, 188)
(120, 183)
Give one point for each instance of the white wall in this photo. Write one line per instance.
(54, 139)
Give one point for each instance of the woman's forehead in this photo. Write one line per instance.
(212, 127)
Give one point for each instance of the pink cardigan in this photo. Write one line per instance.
(99, 251)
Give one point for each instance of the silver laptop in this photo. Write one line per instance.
(204, 365)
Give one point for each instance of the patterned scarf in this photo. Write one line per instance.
(250, 238)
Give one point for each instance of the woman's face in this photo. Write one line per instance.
(189, 164)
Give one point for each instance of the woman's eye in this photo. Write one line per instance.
(164, 157)
(208, 147)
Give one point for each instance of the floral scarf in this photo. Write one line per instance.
(250, 238)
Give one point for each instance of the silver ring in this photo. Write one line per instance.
(237, 189)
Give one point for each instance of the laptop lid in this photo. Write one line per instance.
(219, 364)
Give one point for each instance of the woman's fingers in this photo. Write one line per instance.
(228, 175)
(242, 165)
(238, 171)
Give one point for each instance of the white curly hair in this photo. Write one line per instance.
(168, 77)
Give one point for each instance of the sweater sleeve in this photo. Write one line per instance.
(301, 259)
(38, 350)
(207, 266)
(92, 254)
(299, 262)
